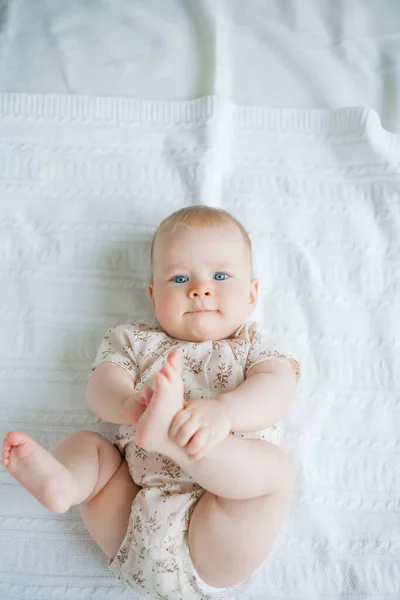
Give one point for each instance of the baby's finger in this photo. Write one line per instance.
(197, 457)
(133, 410)
(198, 441)
(180, 419)
(187, 431)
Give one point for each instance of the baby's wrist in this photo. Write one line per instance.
(222, 399)
(126, 406)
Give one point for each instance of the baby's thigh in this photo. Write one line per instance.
(106, 515)
(230, 539)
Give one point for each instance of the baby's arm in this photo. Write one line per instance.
(108, 389)
(265, 396)
(258, 403)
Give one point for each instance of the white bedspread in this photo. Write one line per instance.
(85, 180)
(293, 53)
(84, 183)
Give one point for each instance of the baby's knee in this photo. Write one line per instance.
(87, 441)
(88, 437)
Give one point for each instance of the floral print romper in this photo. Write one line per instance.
(154, 559)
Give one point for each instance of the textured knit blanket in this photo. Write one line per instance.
(83, 184)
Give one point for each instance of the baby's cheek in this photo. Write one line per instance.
(232, 296)
(237, 299)
(171, 303)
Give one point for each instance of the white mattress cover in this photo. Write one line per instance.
(74, 236)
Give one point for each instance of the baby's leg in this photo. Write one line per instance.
(84, 469)
(249, 484)
(236, 522)
(230, 539)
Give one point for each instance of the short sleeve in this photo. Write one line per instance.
(117, 347)
(262, 348)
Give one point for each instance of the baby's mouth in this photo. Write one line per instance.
(201, 310)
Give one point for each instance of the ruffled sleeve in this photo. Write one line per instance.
(117, 346)
(263, 348)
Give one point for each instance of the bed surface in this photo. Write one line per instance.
(299, 53)
(286, 114)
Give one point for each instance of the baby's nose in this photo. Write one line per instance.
(199, 291)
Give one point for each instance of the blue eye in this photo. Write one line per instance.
(221, 276)
(180, 279)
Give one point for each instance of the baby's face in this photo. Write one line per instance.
(202, 287)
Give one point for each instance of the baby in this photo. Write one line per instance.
(189, 500)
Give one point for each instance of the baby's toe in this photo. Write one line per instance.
(174, 359)
(162, 383)
(6, 453)
(167, 371)
(16, 438)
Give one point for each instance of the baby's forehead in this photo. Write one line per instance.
(221, 254)
(226, 235)
(205, 241)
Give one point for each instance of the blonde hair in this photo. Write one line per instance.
(206, 216)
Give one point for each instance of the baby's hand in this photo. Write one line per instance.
(134, 407)
(200, 426)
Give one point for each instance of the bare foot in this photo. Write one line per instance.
(166, 400)
(38, 471)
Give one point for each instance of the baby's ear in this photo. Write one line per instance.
(151, 294)
(253, 294)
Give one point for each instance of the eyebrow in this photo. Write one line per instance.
(215, 264)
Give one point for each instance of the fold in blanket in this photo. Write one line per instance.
(83, 184)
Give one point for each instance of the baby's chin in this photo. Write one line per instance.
(202, 329)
